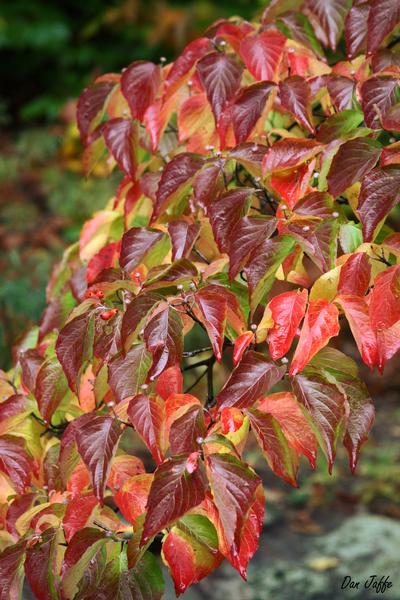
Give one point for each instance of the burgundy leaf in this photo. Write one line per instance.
(97, 442)
(41, 567)
(331, 15)
(147, 415)
(137, 243)
(121, 137)
(250, 232)
(353, 160)
(164, 339)
(262, 53)
(139, 85)
(207, 185)
(252, 379)
(69, 457)
(380, 192)
(173, 493)
(176, 177)
(282, 459)
(15, 461)
(391, 121)
(135, 316)
(382, 59)
(290, 152)
(12, 571)
(183, 236)
(360, 420)
(248, 107)
(220, 77)
(341, 91)
(325, 404)
(73, 346)
(378, 94)
(295, 97)
(186, 430)
(319, 242)
(211, 310)
(384, 15)
(127, 373)
(51, 387)
(355, 275)
(30, 361)
(90, 104)
(355, 29)
(225, 214)
(315, 204)
(233, 485)
(78, 513)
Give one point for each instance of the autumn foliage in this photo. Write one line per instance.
(260, 170)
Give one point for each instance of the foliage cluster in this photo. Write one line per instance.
(259, 180)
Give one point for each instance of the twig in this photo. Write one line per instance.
(197, 351)
(210, 382)
(189, 389)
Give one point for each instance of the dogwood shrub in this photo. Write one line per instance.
(260, 170)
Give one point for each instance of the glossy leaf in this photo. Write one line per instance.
(186, 430)
(287, 311)
(330, 15)
(15, 462)
(183, 236)
(51, 387)
(355, 275)
(225, 214)
(378, 195)
(73, 346)
(233, 485)
(12, 571)
(248, 107)
(131, 497)
(352, 162)
(97, 442)
(121, 136)
(262, 54)
(320, 324)
(252, 379)
(147, 415)
(355, 29)
(173, 493)
(127, 373)
(383, 17)
(163, 337)
(220, 77)
(139, 85)
(241, 344)
(142, 245)
(378, 94)
(90, 106)
(295, 97)
(290, 152)
(183, 64)
(250, 232)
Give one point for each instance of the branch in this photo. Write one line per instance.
(189, 389)
(210, 382)
(195, 352)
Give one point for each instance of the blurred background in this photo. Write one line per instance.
(49, 50)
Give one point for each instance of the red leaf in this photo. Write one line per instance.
(241, 343)
(183, 64)
(220, 77)
(355, 29)
(41, 568)
(51, 387)
(139, 85)
(262, 53)
(12, 571)
(123, 467)
(15, 462)
(325, 404)
(137, 242)
(252, 379)
(281, 458)
(163, 336)
(359, 423)
(105, 258)
(127, 373)
(207, 185)
(283, 406)
(72, 348)
(183, 236)
(250, 232)
(341, 91)
(391, 121)
(176, 176)
(97, 442)
(248, 107)
(233, 485)
(90, 104)
(173, 493)
(355, 275)
(147, 415)
(287, 311)
(320, 324)
(190, 551)
(295, 96)
(211, 309)
(353, 160)
(131, 498)
(380, 192)
(330, 15)
(315, 204)
(384, 15)
(186, 430)
(136, 315)
(290, 152)
(225, 214)
(121, 137)
(378, 94)
(170, 382)
(77, 514)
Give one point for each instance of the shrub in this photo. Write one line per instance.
(258, 176)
